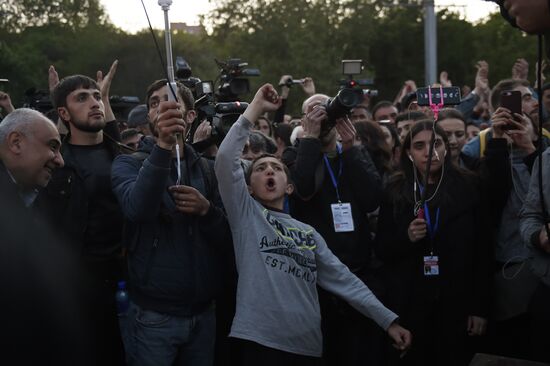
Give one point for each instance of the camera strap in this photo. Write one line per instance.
(333, 178)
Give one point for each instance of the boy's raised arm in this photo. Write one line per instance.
(230, 177)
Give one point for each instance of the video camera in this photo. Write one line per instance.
(220, 115)
(183, 74)
(38, 100)
(122, 105)
(355, 67)
(233, 79)
(221, 108)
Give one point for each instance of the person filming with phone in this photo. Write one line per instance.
(508, 151)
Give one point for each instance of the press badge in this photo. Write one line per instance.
(431, 265)
(341, 215)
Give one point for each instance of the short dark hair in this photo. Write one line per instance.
(248, 173)
(69, 84)
(406, 101)
(128, 133)
(506, 84)
(381, 104)
(283, 131)
(411, 115)
(258, 142)
(183, 91)
(448, 113)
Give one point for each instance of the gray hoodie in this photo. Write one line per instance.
(280, 262)
(532, 220)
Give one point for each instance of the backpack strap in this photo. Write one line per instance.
(483, 142)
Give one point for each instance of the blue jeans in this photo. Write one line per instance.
(156, 339)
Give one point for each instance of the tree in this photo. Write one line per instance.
(16, 15)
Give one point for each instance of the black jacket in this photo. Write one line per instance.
(436, 308)
(64, 202)
(174, 260)
(360, 185)
(462, 243)
(39, 311)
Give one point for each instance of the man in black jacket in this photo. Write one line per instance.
(175, 233)
(39, 314)
(337, 185)
(82, 207)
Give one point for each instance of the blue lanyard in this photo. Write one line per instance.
(432, 230)
(331, 173)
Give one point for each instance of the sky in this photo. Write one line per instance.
(129, 14)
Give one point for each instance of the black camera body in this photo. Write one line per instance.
(348, 97)
(340, 106)
(220, 107)
(38, 100)
(234, 79)
(220, 115)
(184, 75)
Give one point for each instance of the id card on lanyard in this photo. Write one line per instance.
(431, 262)
(341, 211)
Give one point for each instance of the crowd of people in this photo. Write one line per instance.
(394, 234)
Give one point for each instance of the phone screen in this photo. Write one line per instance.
(511, 100)
(451, 96)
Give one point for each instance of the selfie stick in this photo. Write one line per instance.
(172, 86)
(435, 109)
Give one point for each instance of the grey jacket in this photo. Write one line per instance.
(532, 220)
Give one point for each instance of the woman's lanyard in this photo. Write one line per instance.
(331, 173)
(432, 229)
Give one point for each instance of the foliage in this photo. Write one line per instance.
(19, 14)
(297, 37)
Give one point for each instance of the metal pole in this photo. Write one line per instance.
(165, 5)
(172, 86)
(430, 42)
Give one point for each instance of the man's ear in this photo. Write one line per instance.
(14, 142)
(289, 189)
(250, 191)
(64, 114)
(190, 116)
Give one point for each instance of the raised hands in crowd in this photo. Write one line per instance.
(345, 206)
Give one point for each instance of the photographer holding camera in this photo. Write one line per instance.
(336, 185)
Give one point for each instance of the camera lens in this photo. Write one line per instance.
(348, 98)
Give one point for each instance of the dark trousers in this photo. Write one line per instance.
(539, 314)
(99, 288)
(349, 337)
(510, 338)
(254, 354)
